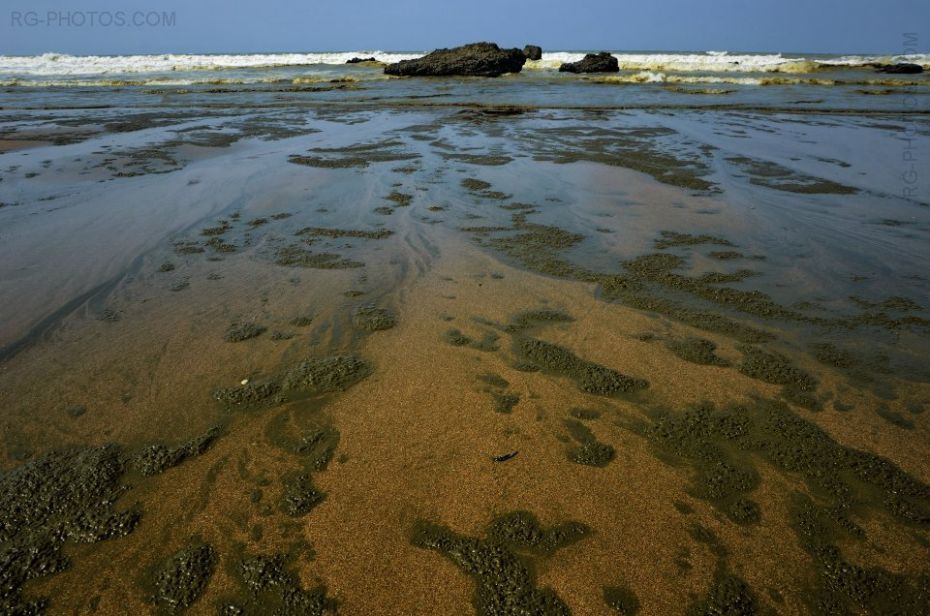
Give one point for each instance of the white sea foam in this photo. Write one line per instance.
(722, 61)
(53, 64)
(62, 67)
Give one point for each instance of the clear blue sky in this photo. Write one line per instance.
(205, 26)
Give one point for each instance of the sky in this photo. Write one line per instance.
(217, 26)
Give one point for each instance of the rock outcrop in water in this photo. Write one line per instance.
(533, 52)
(361, 60)
(475, 59)
(601, 62)
(901, 68)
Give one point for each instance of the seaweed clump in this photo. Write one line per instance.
(589, 450)
(299, 495)
(325, 375)
(672, 239)
(380, 234)
(697, 351)
(296, 256)
(590, 377)
(64, 496)
(506, 583)
(716, 441)
(155, 459)
(728, 595)
(799, 387)
(373, 319)
(238, 332)
(181, 579)
(311, 376)
(844, 587)
(272, 588)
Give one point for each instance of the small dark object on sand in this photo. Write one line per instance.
(505, 456)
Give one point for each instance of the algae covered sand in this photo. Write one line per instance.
(429, 359)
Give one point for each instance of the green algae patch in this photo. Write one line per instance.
(728, 594)
(717, 479)
(696, 351)
(188, 248)
(297, 256)
(844, 587)
(501, 564)
(520, 531)
(488, 160)
(311, 376)
(532, 318)
(699, 319)
(894, 418)
(315, 445)
(372, 318)
(831, 355)
(347, 162)
(250, 394)
(222, 228)
(181, 580)
(658, 268)
(239, 332)
(504, 401)
(217, 244)
(715, 442)
(590, 377)
(588, 451)
(537, 247)
(456, 338)
(299, 496)
(585, 414)
(475, 185)
(325, 375)
(775, 368)
(64, 496)
(621, 600)
(672, 239)
(777, 177)
(725, 255)
(156, 459)
(380, 234)
(271, 587)
(400, 199)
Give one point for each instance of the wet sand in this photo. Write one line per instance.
(642, 331)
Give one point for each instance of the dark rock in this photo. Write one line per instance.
(360, 60)
(901, 68)
(601, 62)
(475, 59)
(533, 52)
